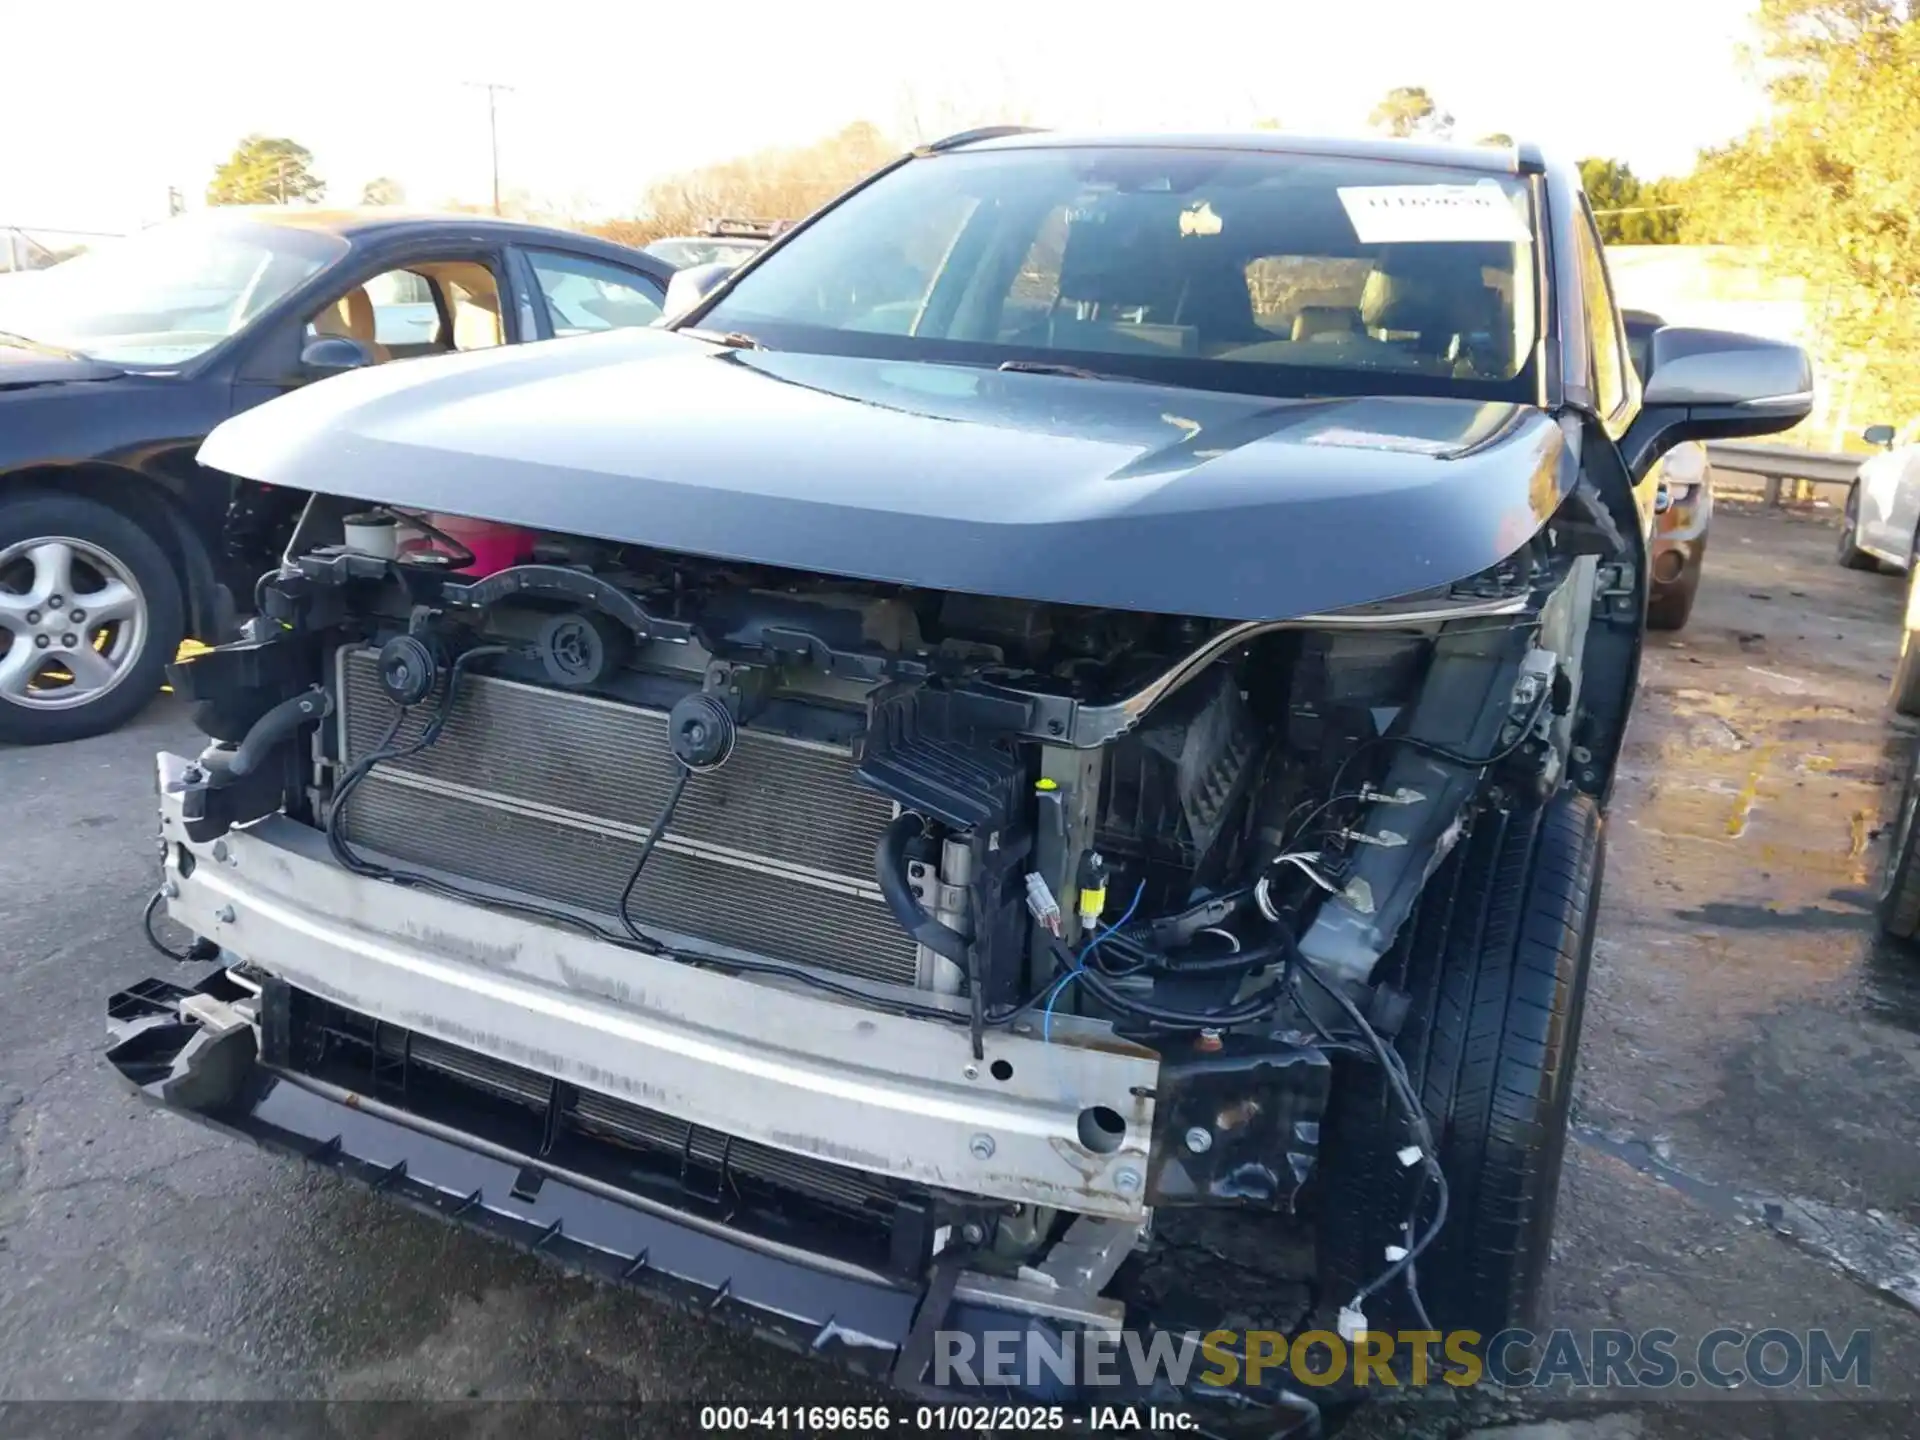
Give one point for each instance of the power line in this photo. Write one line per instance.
(493, 89)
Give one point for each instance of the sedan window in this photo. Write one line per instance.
(167, 294)
(587, 295)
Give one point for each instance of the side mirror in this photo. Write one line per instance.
(334, 355)
(688, 287)
(1715, 385)
(1881, 435)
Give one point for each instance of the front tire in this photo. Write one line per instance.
(1899, 908)
(1904, 693)
(1850, 554)
(90, 613)
(1496, 967)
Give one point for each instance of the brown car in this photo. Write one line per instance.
(1685, 499)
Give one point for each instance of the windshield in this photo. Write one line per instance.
(165, 295)
(1238, 270)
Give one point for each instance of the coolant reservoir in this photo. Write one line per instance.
(494, 546)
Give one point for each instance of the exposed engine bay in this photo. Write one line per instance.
(1183, 841)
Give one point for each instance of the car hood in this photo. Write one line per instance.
(20, 366)
(1031, 486)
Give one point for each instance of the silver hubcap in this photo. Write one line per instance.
(73, 621)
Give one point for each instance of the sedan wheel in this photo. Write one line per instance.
(90, 612)
(1899, 908)
(1850, 553)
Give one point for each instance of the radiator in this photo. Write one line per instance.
(548, 794)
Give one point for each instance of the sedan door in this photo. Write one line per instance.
(1903, 517)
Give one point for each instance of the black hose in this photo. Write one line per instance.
(266, 733)
(153, 937)
(891, 858)
(654, 832)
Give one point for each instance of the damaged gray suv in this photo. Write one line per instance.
(1035, 762)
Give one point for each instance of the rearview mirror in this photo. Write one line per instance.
(334, 355)
(1881, 435)
(1715, 385)
(688, 287)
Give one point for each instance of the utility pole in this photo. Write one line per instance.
(493, 129)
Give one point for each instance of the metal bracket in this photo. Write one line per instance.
(1089, 1254)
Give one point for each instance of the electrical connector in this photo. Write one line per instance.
(1352, 1321)
(1410, 1155)
(1386, 839)
(1041, 904)
(1092, 881)
(1404, 795)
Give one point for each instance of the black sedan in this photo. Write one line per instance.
(115, 543)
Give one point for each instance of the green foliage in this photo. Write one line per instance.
(1829, 188)
(265, 170)
(383, 191)
(1498, 138)
(1408, 110)
(1630, 211)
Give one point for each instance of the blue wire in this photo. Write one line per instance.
(1046, 1016)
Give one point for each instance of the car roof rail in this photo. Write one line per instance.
(728, 227)
(973, 137)
(1532, 161)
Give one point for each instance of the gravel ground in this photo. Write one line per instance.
(1748, 1150)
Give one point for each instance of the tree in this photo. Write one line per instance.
(1498, 138)
(784, 184)
(1829, 186)
(265, 171)
(1410, 110)
(1630, 211)
(1268, 122)
(384, 190)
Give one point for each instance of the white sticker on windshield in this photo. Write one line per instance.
(1398, 214)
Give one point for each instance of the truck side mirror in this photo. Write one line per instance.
(1715, 385)
(1881, 435)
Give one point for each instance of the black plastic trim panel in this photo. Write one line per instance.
(864, 1324)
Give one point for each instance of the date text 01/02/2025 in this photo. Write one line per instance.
(939, 1419)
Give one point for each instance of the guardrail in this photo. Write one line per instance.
(1781, 466)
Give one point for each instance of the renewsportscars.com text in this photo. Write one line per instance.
(1723, 1359)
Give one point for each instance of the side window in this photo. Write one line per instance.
(473, 301)
(879, 280)
(403, 309)
(378, 314)
(1603, 332)
(397, 315)
(587, 295)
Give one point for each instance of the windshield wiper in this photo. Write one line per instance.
(1072, 372)
(22, 342)
(732, 339)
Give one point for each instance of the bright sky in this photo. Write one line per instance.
(113, 101)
